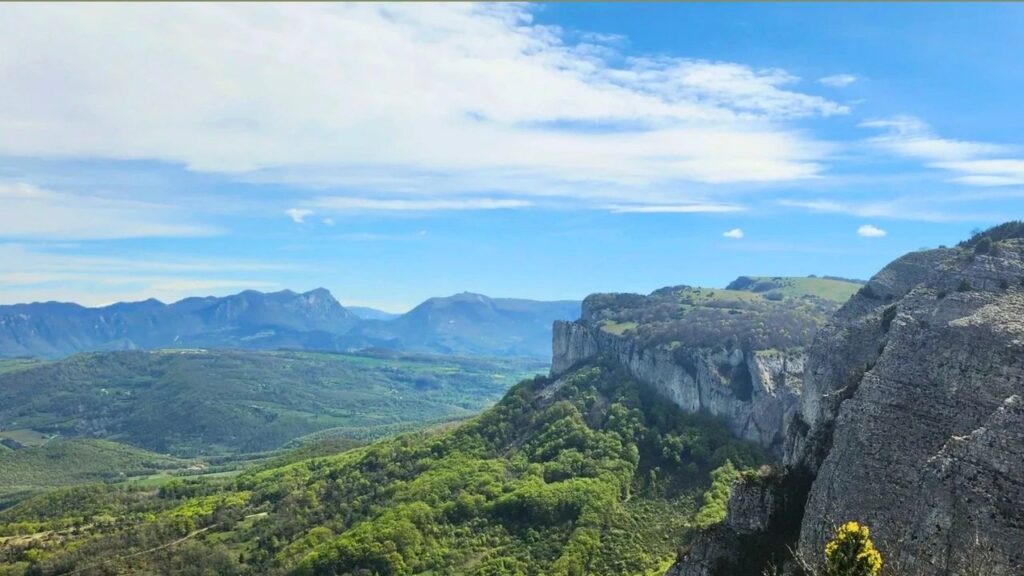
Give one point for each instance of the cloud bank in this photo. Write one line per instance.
(385, 98)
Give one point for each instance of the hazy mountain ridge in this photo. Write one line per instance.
(312, 320)
(469, 323)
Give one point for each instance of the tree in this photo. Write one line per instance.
(851, 553)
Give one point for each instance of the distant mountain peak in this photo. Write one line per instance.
(320, 292)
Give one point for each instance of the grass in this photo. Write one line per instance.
(797, 287)
(15, 364)
(26, 437)
(63, 462)
(618, 328)
(703, 296)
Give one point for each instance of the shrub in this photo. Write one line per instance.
(964, 286)
(1006, 231)
(717, 497)
(868, 292)
(851, 552)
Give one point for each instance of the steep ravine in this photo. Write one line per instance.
(910, 420)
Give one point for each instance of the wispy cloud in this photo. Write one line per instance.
(345, 204)
(695, 208)
(870, 231)
(972, 163)
(393, 90)
(838, 80)
(39, 273)
(298, 215)
(32, 212)
(898, 209)
(735, 233)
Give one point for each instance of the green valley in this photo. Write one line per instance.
(109, 417)
(202, 402)
(590, 473)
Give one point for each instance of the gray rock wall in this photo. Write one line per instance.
(923, 447)
(756, 393)
(911, 421)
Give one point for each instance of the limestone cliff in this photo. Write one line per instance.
(911, 419)
(729, 353)
(755, 391)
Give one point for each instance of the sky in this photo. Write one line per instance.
(391, 153)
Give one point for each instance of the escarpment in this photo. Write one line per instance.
(910, 420)
(730, 353)
(754, 391)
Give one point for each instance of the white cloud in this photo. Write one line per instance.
(838, 80)
(974, 163)
(32, 212)
(897, 209)
(298, 215)
(342, 204)
(870, 231)
(694, 208)
(328, 221)
(40, 273)
(735, 233)
(377, 94)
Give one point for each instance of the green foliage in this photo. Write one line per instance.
(838, 290)
(851, 552)
(227, 402)
(62, 462)
(1005, 231)
(717, 496)
(590, 474)
(983, 246)
(687, 317)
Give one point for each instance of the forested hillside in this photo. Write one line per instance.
(591, 473)
(202, 402)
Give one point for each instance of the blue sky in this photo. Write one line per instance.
(395, 152)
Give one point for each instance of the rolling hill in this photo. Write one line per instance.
(590, 473)
(191, 402)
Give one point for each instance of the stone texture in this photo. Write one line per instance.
(911, 421)
(943, 368)
(756, 392)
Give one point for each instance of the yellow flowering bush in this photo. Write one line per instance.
(851, 552)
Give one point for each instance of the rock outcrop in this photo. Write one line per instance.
(911, 420)
(755, 392)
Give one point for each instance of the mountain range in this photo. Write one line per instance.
(687, 432)
(461, 324)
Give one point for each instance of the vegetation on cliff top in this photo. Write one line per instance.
(757, 314)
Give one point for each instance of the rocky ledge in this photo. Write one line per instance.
(910, 421)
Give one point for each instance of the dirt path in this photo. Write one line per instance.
(188, 536)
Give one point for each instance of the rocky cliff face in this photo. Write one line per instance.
(756, 392)
(911, 420)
